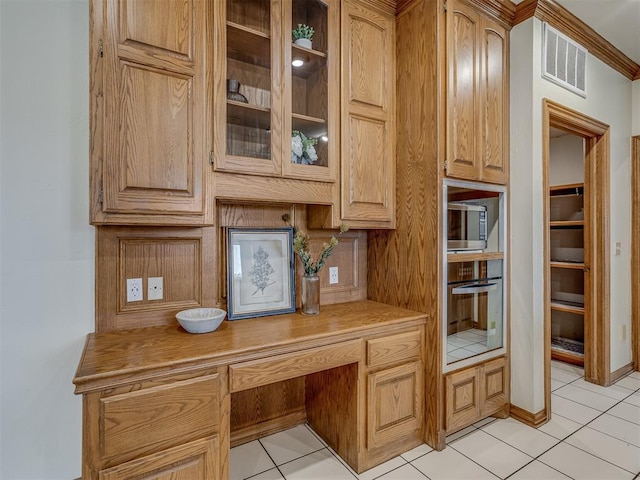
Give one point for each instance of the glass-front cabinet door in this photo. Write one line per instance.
(312, 107)
(277, 88)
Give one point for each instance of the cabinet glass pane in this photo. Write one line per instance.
(249, 78)
(474, 308)
(309, 83)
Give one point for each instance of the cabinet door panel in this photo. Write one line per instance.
(394, 404)
(366, 173)
(495, 103)
(368, 113)
(463, 91)
(368, 82)
(154, 110)
(462, 399)
(193, 461)
(494, 386)
(165, 24)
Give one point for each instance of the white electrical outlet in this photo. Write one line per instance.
(134, 289)
(618, 248)
(154, 288)
(333, 275)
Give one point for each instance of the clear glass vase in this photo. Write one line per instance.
(311, 294)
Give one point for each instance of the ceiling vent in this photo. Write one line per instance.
(564, 61)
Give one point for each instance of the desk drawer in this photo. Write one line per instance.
(147, 420)
(256, 373)
(394, 348)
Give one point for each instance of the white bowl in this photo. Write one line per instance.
(201, 320)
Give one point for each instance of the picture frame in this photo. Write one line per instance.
(260, 272)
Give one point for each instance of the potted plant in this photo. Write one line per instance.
(310, 279)
(303, 35)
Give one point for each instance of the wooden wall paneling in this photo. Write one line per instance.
(635, 251)
(558, 17)
(260, 411)
(404, 265)
(332, 404)
(184, 257)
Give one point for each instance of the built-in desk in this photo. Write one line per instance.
(157, 400)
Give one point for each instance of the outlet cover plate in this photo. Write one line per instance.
(155, 288)
(134, 289)
(333, 275)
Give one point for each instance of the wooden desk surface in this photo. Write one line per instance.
(117, 357)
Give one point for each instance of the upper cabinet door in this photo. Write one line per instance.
(312, 76)
(149, 159)
(463, 91)
(495, 103)
(248, 86)
(477, 95)
(368, 116)
(277, 104)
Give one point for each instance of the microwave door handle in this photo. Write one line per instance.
(474, 288)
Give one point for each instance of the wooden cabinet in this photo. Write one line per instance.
(567, 272)
(475, 393)
(277, 110)
(155, 427)
(192, 461)
(150, 107)
(477, 95)
(368, 116)
(395, 394)
(394, 404)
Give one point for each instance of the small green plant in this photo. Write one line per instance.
(303, 31)
(301, 247)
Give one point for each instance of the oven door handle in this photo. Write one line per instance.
(474, 288)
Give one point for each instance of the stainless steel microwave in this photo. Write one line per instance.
(467, 226)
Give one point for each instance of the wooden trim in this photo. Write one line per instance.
(532, 419)
(621, 372)
(562, 19)
(635, 251)
(596, 264)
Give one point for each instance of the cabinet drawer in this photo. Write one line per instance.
(196, 461)
(395, 348)
(144, 421)
(256, 373)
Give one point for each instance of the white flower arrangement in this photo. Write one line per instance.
(303, 151)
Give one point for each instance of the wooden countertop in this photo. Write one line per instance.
(119, 357)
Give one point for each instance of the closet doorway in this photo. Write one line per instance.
(576, 246)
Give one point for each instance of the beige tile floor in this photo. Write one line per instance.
(594, 434)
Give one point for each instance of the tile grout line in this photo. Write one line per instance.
(270, 458)
(583, 426)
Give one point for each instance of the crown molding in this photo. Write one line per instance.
(502, 10)
(563, 20)
(385, 6)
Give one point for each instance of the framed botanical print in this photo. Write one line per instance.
(260, 276)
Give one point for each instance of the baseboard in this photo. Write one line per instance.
(262, 429)
(619, 373)
(534, 420)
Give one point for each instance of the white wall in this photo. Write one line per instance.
(46, 255)
(566, 160)
(608, 100)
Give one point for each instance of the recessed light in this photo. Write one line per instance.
(324, 138)
(297, 62)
